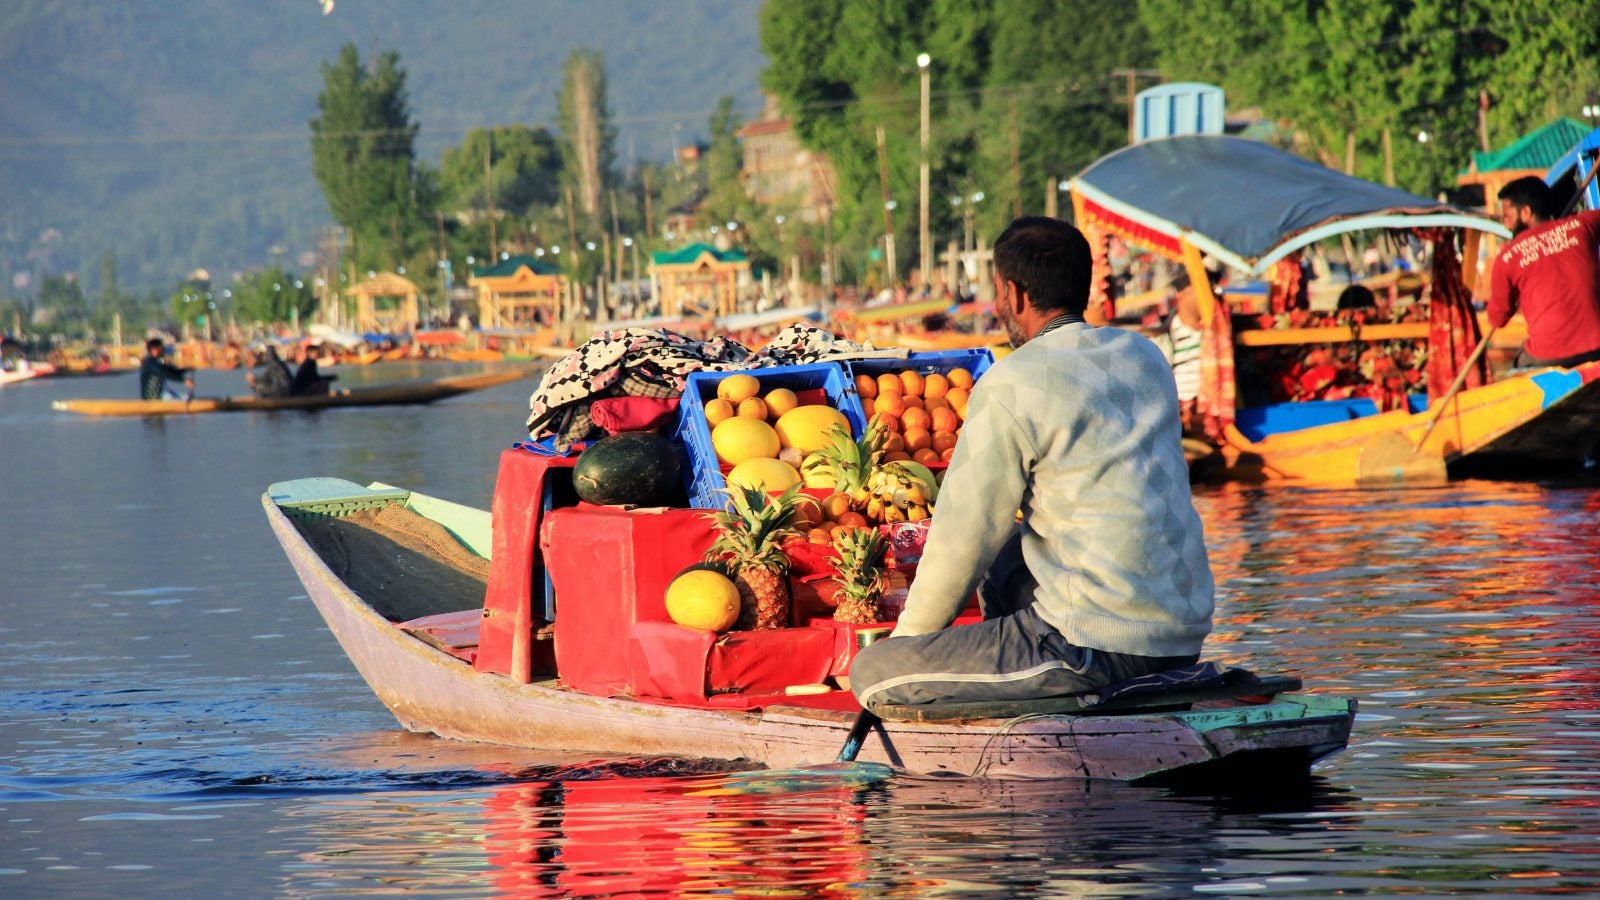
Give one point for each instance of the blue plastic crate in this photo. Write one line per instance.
(976, 361)
(703, 476)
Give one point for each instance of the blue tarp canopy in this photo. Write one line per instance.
(1577, 162)
(1247, 203)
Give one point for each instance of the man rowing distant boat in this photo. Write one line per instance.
(1551, 272)
(1106, 576)
(155, 374)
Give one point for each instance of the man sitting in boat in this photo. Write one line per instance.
(1550, 271)
(1106, 576)
(155, 374)
(274, 379)
(1181, 343)
(308, 380)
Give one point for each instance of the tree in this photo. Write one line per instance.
(1546, 61)
(190, 305)
(362, 153)
(587, 136)
(524, 171)
(273, 296)
(1020, 93)
(1339, 69)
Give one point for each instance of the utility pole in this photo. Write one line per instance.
(1349, 152)
(1051, 197)
(572, 247)
(924, 239)
(1388, 159)
(649, 214)
(616, 241)
(488, 197)
(1483, 120)
(1133, 76)
(888, 211)
(1016, 163)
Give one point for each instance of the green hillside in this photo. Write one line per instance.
(173, 133)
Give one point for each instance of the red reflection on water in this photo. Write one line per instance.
(624, 838)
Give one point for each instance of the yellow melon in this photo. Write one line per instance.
(738, 388)
(703, 599)
(763, 474)
(741, 438)
(807, 427)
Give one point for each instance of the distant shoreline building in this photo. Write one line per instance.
(778, 171)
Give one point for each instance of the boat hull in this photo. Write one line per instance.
(431, 691)
(1520, 426)
(391, 395)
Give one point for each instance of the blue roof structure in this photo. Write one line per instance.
(1250, 204)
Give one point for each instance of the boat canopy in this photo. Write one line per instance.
(1576, 163)
(1246, 203)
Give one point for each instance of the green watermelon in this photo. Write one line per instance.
(635, 468)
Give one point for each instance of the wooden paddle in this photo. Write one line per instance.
(1392, 458)
(857, 736)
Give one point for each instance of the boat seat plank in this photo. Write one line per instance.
(451, 631)
(1268, 686)
(330, 493)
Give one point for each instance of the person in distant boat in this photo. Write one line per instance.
(1105, 578)
(1181, 341)
(1551, 272)
(156, 375)
(274, 379)
(308, 379)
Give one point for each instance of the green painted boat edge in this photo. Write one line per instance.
(308, 498)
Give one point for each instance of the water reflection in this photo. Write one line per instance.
(831, 833)
(177, 720)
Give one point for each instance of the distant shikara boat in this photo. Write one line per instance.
(9, 376)
(421, 613)
(384, 395)
(1251, 205)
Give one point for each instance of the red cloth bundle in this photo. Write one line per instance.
(619, 414)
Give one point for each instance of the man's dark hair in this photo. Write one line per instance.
(1048, 260)
(1531, 191)
(154, 344)
(1356, 296)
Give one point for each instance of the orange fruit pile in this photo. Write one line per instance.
(923, 413)
(822, 520)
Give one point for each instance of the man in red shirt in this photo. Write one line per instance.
(1551, 271)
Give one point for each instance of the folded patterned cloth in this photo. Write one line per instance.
(644, 362)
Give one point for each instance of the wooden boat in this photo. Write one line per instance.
(474, 355)
(1161, 195)
(1529, 425)
(457, 662)
(383, 395)
(13, 376)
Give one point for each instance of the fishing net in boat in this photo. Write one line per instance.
(404, 565)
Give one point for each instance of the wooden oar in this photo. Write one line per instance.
(1392, 458)
(857, 736)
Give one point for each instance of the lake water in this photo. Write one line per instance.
(176, 720)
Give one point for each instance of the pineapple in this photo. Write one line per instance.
(849, 462)
(860, 575)
(751, 537)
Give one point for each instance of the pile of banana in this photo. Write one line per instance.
(883, 492)
(900, 491)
